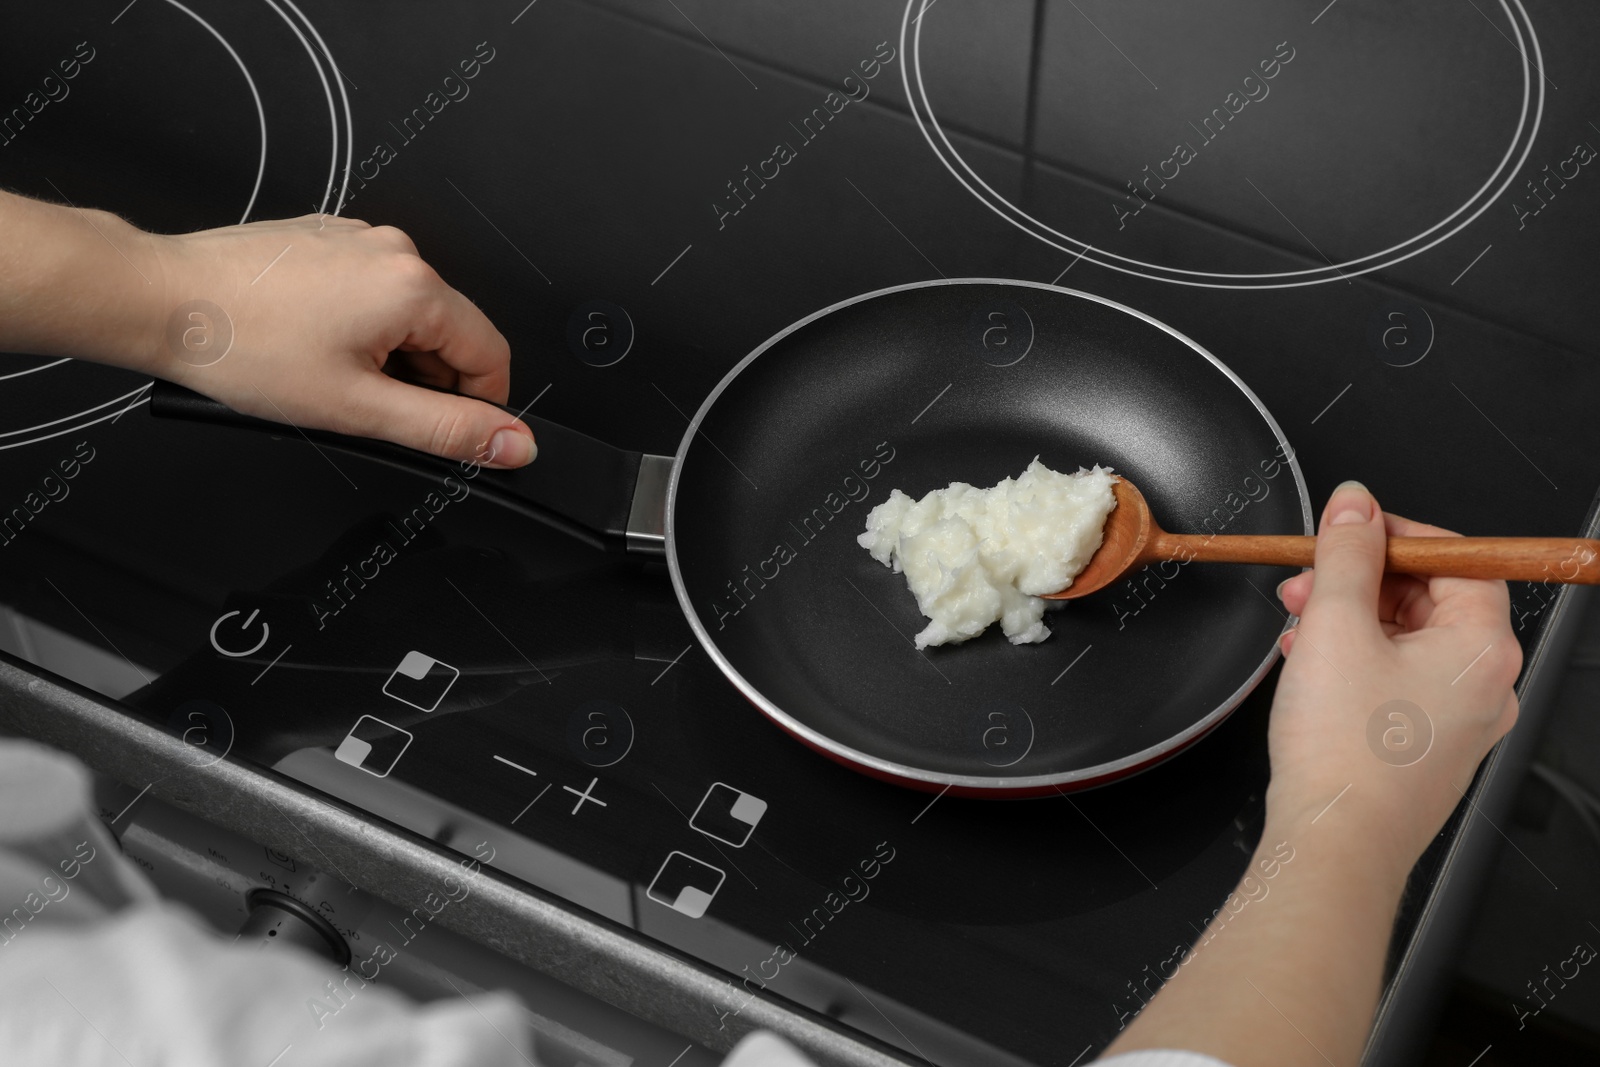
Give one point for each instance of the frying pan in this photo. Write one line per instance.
(913, 387)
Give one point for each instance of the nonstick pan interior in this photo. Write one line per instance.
(918, 386)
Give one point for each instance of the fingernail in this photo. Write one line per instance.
(511, 448)
(1351, 503)
(1281, 584)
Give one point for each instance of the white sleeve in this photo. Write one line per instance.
(762, 1049)
(149, 987)
(1164, 1057)
(96, 970)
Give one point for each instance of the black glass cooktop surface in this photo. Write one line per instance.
(1382, 220)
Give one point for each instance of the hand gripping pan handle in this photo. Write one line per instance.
(607, 496)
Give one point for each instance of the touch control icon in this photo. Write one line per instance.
(421, 681)
(728, 815)
(586, 796)
(373, 745)
(231, 635)
(686, 884)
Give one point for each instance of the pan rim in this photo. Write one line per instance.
(997, 784)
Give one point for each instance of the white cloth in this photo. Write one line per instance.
(769, 1050)
(1164, 1057)
(762, 1049)
(96, 970)
(148, 986)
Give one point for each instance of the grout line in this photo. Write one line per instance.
(1030, 112)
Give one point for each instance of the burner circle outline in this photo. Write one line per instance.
(922, 112)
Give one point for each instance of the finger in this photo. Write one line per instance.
(1400, 526)
(1474, 600)
(467, 341)
(1294, 591)
(1349, 559)
(390, 237)
(423, 368)
(1415, 604)
(1286, 640)
(443, 424)
(1405, 601)
(1402, 599)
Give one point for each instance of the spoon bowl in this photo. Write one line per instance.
(1123, 541)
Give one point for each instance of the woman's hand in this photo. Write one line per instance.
(1289, 970)
(312, 321)
(1395, 687)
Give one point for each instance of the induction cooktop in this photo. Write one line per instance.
(1380, 220)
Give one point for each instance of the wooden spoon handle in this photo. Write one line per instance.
(1570, 560)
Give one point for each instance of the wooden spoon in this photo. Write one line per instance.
(1131, 539)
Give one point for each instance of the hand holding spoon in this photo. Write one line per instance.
(1131, 539)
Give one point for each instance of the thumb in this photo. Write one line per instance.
(1350, 557)
(442, 424)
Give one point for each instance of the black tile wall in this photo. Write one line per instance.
(975, 53)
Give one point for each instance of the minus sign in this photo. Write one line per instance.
(518, 766)
(532, 802)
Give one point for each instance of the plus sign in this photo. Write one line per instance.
(585, 795)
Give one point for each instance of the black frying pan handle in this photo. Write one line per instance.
(604, 495)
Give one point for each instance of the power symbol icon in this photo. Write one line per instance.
(253, 649)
